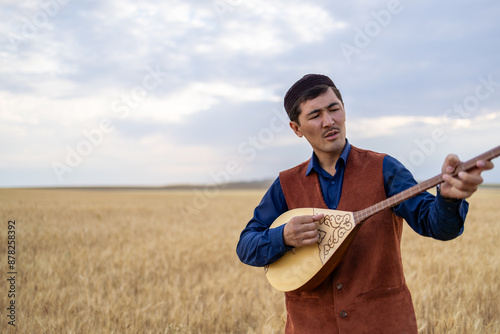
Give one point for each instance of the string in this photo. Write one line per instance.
(362, 215)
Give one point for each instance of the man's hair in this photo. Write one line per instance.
(307, 95)
(309, 87)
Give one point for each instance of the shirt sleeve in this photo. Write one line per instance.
(428, 215)
(258, 244)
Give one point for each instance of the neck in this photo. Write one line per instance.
(328, 160)
(328, 163)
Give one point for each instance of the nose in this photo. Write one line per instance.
(328, 120)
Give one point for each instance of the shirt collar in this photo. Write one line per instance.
(314, 162)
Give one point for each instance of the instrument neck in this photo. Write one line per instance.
(362, 215)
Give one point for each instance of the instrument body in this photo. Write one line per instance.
(305, 267)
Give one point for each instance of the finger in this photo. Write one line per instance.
(470, 178)
(315, 218)
(305, 228)
(310, 241)
(298, 225)
(310, 234)
(308, 218)
(456, 182)
(309, 237)
(450, 163)
(483, 165)
(318, 217)
(458, 187)
(308, 223)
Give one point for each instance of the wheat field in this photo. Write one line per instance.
(111, 261)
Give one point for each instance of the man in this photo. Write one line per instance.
(367, 292)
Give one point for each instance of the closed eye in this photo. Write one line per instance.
(313, 114)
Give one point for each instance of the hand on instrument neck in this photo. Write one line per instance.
(465, 183)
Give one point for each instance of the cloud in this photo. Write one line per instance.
(263, 29)
(198, 97)
(384, 126)
(223, 77)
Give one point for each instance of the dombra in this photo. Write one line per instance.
(304, 268)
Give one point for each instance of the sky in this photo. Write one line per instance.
(149, 93)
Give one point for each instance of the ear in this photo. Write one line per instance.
(296, 128)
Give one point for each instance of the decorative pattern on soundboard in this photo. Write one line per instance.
(332, 229)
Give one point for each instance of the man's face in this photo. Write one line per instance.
(322, 122)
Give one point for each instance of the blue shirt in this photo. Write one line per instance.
(428, 215)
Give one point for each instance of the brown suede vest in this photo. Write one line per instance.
(367, 293)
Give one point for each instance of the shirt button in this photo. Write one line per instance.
(333, 182)
(339, 286)
(343, 314)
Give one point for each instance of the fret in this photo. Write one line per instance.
(361, 215)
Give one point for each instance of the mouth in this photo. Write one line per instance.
(332, 134)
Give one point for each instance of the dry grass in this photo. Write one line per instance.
(455, 284)
(140, 262)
